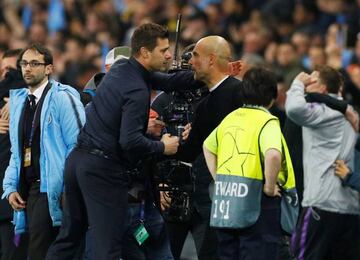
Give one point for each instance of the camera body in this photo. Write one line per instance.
(173, 177)
(176, 180)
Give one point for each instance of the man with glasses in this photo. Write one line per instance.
(46, 117)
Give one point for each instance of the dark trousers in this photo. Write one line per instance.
(260, 241)
(41, 230)
(324, 235)
(8, 249)
(95, 196)
(204, 237)
(157, 246)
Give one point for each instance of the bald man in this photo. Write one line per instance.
(209, 62)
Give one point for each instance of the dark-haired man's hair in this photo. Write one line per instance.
(48, 58)
(259, 87)
(331, 78)
(146, 35)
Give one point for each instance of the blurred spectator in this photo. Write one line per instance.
(356, 56)
(317, 56)
(301, 42)
(287, 62)
(195, 27)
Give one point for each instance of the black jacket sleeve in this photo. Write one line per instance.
(132, 139)
(174, 81)
(333, 103)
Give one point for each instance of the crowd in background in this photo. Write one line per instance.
(289, 35)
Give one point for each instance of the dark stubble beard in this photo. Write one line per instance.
(33, 82)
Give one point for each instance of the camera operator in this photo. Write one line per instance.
(209, 61)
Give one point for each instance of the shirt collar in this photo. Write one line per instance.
(218, 84)
(38, 92)
(143, 71)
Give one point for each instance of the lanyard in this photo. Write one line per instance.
(142, 205)
(33, 126)
(142, 211)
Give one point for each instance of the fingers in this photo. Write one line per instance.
(306, 79)
(4, 126)
(165, 199)
(16, 202)
(155, 127)
(5, 111)
(277, 192)
(187, 127)
(159, 122)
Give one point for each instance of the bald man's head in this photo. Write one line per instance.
(218, 46)
(210, 58)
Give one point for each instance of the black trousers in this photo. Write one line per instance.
(41, 230)
(95, 196)
(204, 237)
(324, 235)
(8, 249)
(257, 242)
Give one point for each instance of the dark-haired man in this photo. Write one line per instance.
(328, 227)
(45, 121)
(111, 142)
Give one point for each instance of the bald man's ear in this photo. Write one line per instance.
(212, 59)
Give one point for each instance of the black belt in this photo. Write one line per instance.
(93, 151)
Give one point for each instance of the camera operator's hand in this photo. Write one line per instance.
(186, 132)
(165, 199)
(155, 127)
(171, 144)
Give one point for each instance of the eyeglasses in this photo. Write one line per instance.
(33, 63)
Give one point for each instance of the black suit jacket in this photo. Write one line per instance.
(117, 117)
(208, 115)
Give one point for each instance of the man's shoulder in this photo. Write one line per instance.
(59, 90)
(230, 85)
(231, 81)
(122, 75)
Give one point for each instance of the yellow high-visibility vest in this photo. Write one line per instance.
(240, 177)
